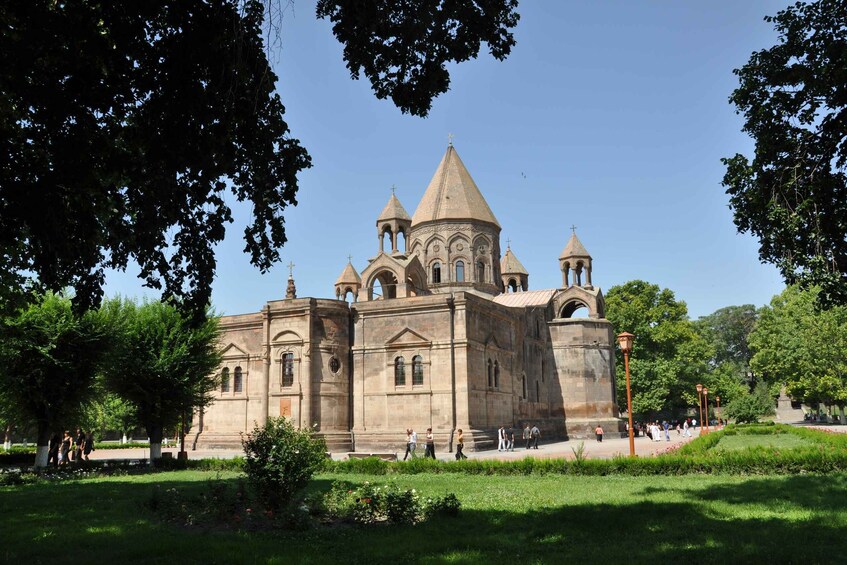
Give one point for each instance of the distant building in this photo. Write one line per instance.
(443, 333)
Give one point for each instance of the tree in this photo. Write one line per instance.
(669, 356)
(164, 364)
(50, 357)
(747, 409)
(108, 412)
(127, 127)
(797, 344)
(793, 194)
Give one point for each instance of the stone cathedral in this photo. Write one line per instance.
(444, 333)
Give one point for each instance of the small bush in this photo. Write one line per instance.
(280, 460)
(371, 503)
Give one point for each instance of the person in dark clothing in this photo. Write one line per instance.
(430, 444)
(460, 446)
(53, 451)
(78, 443)
(65, 449)
(88, 446)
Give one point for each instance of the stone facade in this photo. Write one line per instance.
(443, 334)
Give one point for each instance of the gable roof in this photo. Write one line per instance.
(452, 195)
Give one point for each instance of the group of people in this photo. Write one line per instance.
(66, 448)
(657, 431)
(412, 444)
(506, 441)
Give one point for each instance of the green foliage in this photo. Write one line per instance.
(370, 503)
(280, 460)
(50, 356)
(793, 195)
(750, 407)
(669, 356)
(798, 344)
(122, 135)
(107, 412)
(164, 363)
(378, 38)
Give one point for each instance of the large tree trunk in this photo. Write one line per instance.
(155, 433)
(7, 438)
(43, 445)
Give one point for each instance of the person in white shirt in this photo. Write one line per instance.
(411, 443)
(501, 439)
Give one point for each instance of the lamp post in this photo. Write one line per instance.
(700, 404)
(625, 341)
(718, 398)
(706, 406)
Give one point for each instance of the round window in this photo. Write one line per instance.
(334, 365)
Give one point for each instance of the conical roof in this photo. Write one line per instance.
(453, 195)
(394, 211)
(349, 275)
(510, 265)
(574, 248)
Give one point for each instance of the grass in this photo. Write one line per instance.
(776, 441)
(504, 519)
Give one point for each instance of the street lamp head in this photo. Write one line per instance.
(718, 398)
(705, 391)
(625, 341)
(699, 389)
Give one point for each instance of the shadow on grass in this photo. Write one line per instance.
(108, 522)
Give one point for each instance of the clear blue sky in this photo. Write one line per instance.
(609, 115)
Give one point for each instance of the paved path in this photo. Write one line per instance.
(546, 450)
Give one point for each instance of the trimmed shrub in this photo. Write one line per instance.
(280, 460)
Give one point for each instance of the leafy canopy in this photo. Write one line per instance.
(668, 356)
(164, 364)
(51, 356)
(126, 133)
(792, 195)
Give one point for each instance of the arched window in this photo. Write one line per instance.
(287, 369)
(417, 370)
(225, 380)
(460, 271)
(496, 375)
(513, 285)
(480, 272)
(238, 382)
(490, 375)
(399, 372)
(436, 272)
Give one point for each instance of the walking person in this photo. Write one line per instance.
(511, 438)
(53, 450)
(501, 439)
(598, 431)
(460, 446)
(430, 444)
(88, 446)
(78, 443)
(535, 433)
(65, 449)
(667, 430)
(527, 435)
(685, 431)
(411, 443)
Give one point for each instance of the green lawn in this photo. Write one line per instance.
(515, 520)
(776, 441)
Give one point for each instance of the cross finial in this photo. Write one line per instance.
(349, 258)
(290, 269)
(450, 137)
(573, 229)
(508, 244)
(393, 188)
